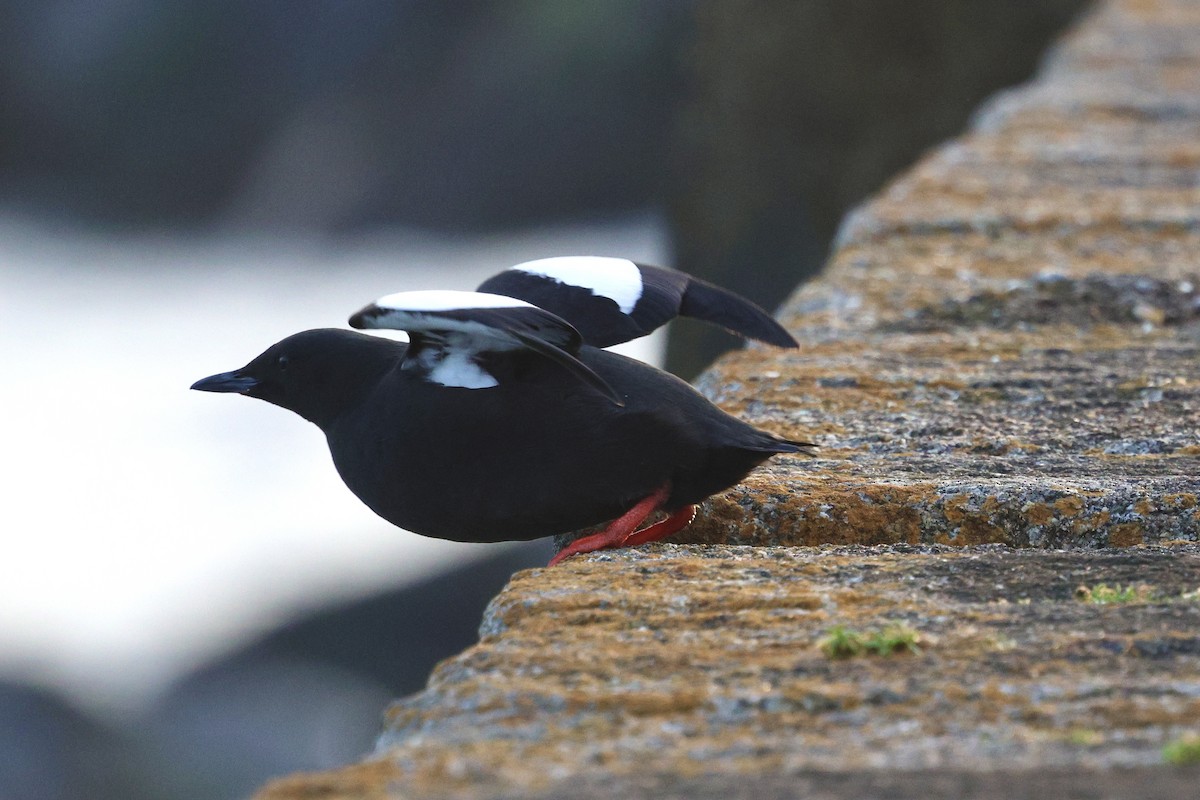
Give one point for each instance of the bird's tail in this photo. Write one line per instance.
(770, 443)
(803, 448)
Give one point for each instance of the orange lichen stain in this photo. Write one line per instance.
(946, 383)
(954, 508)
(974, 530)
(829, 510)
(1068, 506)
(883, 515)
(368, 780)
(1127, 534)
(852, 598)
(1179, 501)
(641, 704)
(1039, 513)
(993, 703)
(1126, 714)
(721, 602)
(970, 526)
(819, 696)
(1133, 385)
(723, 520)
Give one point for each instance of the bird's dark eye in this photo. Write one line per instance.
(282, 363)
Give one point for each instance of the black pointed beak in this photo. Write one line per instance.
(234, 382)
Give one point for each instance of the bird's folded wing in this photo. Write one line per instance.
(614, 300)
(450, 330)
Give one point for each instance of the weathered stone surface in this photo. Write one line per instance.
(695, 661)
(1003, 352)
(1142, 783)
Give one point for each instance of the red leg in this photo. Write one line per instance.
(663, 529)
(618, 530)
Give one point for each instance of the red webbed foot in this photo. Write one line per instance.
(623, 532)
(661, 529)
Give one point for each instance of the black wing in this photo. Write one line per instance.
(614, 300)
(449, 331)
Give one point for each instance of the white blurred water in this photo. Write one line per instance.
(145, 527)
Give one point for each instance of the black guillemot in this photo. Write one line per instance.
(500, 421)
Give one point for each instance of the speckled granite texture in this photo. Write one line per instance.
(1005, 351)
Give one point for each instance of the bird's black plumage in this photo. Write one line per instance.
(613, 300)
(540, 453)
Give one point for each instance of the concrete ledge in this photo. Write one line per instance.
(686, 667)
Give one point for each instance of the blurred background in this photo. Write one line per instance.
(190, 600)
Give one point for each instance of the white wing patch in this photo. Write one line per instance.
(449, 332)
(446, 300)
(618, 279)
(450, 356)
(457, 367)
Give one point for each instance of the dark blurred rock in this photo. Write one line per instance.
(798, 111)
(530, 112)
(326, 116)
(392, 639)
(225, 731)
(52, 750)
(149, 113)
(309, 695)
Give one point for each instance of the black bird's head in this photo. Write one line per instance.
(317, 374)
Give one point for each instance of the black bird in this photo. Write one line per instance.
(495, 422)
(614, 300)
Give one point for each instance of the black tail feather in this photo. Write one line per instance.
(770, 443)
(792, 446)
(710, 303)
